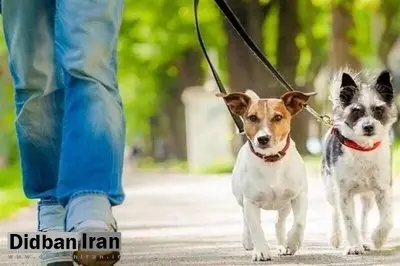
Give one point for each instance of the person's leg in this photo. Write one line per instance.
(94, 125)
(28, 28)
(29, 34)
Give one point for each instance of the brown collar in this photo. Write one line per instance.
(275, 157)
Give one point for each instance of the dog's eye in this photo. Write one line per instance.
(253, 118)
(277, 118)
(378, 111)
(357, 112)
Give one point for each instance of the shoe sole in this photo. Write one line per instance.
(92, 258)
(61, 263)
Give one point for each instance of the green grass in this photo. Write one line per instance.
(9, 176)
(313, 164)
(220, 167)
(149, 164)
(11, 200)
(12, 197)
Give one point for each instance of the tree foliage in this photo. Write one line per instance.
(156, 35)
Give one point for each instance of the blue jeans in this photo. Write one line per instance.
(70, 123)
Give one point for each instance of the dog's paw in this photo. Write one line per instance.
(354, 250)
(261, 255)
(379, 236)
(335, 240)
(294, 240)
(247, 243)
(292, 246)
(284, 251)
(366, 247)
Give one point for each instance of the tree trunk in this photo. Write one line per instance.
(342, 42)
(245, 70)
(239, 58)
(341, 54)
(288, 52)
(262, 82)
(189, 74)
(390, 33)
(388, 39)
(154, 122)
(176, 136)
(288, 58)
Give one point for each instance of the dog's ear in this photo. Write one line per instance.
(384, 87)
(295, 100)
(237, 102)
(348, 89)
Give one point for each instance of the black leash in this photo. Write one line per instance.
(234, 21)
(237, 119)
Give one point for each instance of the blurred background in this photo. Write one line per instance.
(175, 123)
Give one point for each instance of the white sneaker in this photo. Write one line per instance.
(51, 219)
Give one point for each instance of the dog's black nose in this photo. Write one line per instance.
(263, 140)
(368, 129)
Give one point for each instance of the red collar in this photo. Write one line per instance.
(352, 144)
(275, 157)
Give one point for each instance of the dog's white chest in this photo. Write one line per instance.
(269, 185)
(271, 197)
(365, 171)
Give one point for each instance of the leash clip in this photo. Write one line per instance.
(327, 120)
(320, 118)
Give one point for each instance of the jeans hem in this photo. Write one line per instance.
(96, 206)
(50, 216)
(48, 202)
(87, 193)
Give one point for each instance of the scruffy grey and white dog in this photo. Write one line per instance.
(357, 156)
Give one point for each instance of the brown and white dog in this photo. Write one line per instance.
(269, 172)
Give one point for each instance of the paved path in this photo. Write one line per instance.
(171, 219)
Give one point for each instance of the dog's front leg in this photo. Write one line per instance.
(347, 205)
(280, 229)
(296, 233)
(253, 220)
(247, 242)
(366, 202)
(384, 203)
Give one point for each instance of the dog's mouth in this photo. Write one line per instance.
(369, 134)
(262, 146)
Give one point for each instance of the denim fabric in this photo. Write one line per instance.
(51, 216)
(89, 211)
(70, 123)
